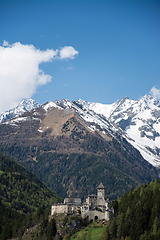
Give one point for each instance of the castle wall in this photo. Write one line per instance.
(96, 214)
(64, 208)
(85, 214)
(91, 200)
(59, 208)
(73, 208)
(109, 215)
(101, 201)
(108, 204)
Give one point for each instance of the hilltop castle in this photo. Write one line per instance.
(95, 206)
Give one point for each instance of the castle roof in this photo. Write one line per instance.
(100, 186)
(71, 200)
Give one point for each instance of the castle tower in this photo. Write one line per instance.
(100, 195)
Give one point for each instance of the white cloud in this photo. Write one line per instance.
(155, 92)
(20, 74)
(5, 44)
(68, 52)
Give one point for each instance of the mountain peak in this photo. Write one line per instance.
(125, 98)
(29, 104)
(149, 101)
(51, 104)
(66, 103)
(147, 97)
(24, 106)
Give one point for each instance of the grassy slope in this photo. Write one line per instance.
(93, 231)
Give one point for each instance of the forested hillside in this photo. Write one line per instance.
(21, 193)
(137, 215)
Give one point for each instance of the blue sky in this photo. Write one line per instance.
(116, 44)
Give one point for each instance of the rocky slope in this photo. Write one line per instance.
(71, 148)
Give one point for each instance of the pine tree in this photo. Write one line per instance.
(51, 229)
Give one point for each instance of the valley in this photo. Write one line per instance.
(71, 147)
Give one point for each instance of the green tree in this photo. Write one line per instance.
(106, 235)
(113, 227)
(115, 206)
(51, 229)
(6, 232)
(39, 211)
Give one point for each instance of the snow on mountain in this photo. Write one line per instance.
(24, 106)
(50, 105)
(93, 120)
(136, 120)
(140, 121)
(99, 108)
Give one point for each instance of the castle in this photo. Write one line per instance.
(95, 206)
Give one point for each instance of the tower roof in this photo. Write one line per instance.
(100, 186)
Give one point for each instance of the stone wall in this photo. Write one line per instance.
(91, 200)
(59, 208)
(101, 201)
(96, 215)
(109, 214)
(64, 208)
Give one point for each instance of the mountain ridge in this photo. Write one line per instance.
(72, 149)
(144, 114)
(125, 113)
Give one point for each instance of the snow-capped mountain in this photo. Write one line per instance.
(140, 121)
(24, 106)
(69, 145)
(136, 120)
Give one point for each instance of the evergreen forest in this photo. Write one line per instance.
(137, 215)
(24, 199)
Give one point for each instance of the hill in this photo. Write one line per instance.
(71, 150)
(21, 193)
(137, 215)
(20, 189)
